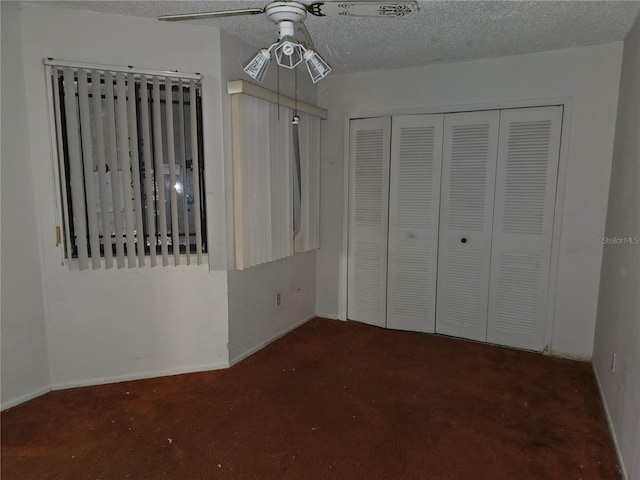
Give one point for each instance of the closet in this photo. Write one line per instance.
(450, 222)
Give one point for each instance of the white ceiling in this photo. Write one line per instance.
(442, 31)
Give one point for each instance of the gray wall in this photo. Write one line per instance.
(61, 328)
(586, 79)
(102, 325)
(618, 325)
(254, 319)
(25, 370)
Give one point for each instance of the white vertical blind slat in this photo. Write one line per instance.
(135, 168)
(306, 186)
(315, 205)
(309, 133)
(87, 160)
(96, 92)
(251, 190)
(114, 170)
(263, 181)
(280, 185)
(159, 170)
(171, 156)
(63, 174)
(75, 161)
(305, 150)
(258, 151)
(299, 237)
(246, 152)
(238, 176)
(148, 169)
(308, 191)
(196, 168)
(125, 166)
(259, 195)
(275, 174)
(259, 144)
(183, 173)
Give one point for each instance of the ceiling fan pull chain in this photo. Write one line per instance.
(296, 117)
(297, 187)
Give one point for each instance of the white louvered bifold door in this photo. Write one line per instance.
(368, 219)
(523, 224)
(414, 206)
(464, 254)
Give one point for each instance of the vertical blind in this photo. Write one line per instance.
(265, 179)
(130, 163)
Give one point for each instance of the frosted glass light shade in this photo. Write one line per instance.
(257, 66)
(317, 67)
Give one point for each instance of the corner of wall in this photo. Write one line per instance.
(616, 359)
(254, 318)
(25, 362)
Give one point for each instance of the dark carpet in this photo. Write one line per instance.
(331, 400)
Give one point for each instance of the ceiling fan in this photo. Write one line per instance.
(294, 42)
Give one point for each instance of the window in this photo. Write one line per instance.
(276, 161)
(131, 165)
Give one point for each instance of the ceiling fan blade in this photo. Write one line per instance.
(204, 15)
(363, 9)
(303, 37)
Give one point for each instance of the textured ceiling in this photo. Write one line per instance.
(442, 31)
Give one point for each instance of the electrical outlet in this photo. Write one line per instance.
(278, 299)
(613, 363)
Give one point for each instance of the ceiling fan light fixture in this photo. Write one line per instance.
(288, 53)
(257, 66)
(316, 65)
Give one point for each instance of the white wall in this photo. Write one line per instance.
(25, 371)
(618, 326)
(254, 319)
(163, 320)
(63, 328)
(587, 76)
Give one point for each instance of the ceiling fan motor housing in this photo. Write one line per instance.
(286, 15)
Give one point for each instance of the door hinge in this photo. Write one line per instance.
(58, 236)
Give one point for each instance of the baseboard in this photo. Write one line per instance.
(260, 346)
(25, 398)
(623, 470)
(567, 356)
(330, 317)
(153, 374)
(139, 376)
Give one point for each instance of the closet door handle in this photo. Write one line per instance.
(463, 240)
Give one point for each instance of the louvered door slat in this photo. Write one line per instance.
(464, 256)
(416, 157)
(522, 233)
(368, 220)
